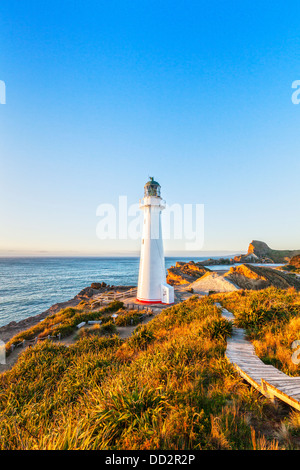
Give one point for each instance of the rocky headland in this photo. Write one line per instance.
(263, 251)
(258, 252)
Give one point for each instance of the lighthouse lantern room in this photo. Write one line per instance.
(152, 285)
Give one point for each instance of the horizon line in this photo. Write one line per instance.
(117, 255)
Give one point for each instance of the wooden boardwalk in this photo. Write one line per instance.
(268, 380)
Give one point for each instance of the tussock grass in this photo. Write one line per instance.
(131, 317)
(166, 387)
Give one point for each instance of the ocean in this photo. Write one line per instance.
(29, 286)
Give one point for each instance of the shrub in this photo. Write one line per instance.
(217, 328)
(113, 306)
(128, 318)
(92, 331)
(108, 328)
(141, 337)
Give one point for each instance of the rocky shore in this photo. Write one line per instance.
(12, 328)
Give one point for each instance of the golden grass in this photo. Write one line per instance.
(271, 318)
(168, 386)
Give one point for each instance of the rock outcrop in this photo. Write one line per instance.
(249, 258)
(264, 252)
(295, 261)
(185, 273)
(293, 265)
(250, 277)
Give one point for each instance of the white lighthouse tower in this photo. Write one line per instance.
(152, 286)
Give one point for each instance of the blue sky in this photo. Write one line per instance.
(102, 94)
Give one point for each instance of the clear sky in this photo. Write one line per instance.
(102, 94)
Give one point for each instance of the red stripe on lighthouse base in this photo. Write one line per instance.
(149, 301)
(153, 302)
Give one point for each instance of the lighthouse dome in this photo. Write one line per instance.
(152, 188)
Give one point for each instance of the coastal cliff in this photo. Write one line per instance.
(263, 251)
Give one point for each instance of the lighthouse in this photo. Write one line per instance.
(152, 285)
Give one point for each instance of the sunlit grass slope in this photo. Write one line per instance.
(271, 318)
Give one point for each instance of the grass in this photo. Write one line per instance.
(271, 318)
(168, 386)
(131, 317)
(64, 322)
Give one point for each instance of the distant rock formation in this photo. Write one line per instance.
(185, 273)
(264, 252)
(258, 252)
(214, 262)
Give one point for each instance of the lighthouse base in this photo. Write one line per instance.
(149, 301)
(152, 302)
(167, 296)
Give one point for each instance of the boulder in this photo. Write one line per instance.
(96, 285)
